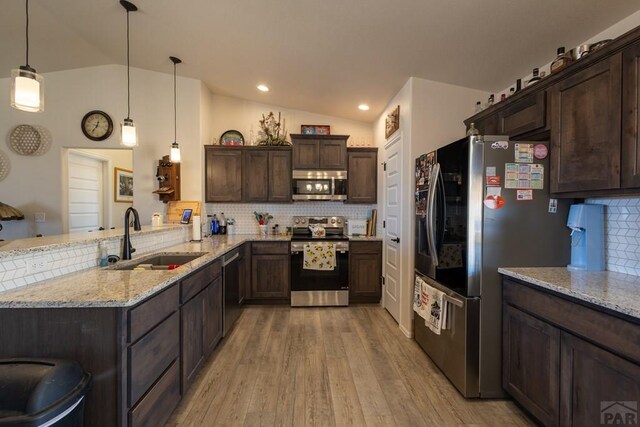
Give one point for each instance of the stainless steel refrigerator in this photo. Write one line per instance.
(481, 203)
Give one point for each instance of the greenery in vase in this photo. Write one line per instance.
(272, 132)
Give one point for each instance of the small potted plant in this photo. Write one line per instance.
(231, 226)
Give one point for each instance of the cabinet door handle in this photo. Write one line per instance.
(397, 240)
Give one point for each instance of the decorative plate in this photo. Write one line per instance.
(5, 165)
(28, 140)
(231, 137)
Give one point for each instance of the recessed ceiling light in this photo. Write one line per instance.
(363, 107)
(263, 88)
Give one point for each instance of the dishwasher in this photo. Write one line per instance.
(231, 288)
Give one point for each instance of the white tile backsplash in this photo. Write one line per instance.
(80, 256)
(622, 234)
(283, 213)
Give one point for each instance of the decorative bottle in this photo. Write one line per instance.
(478, 107)
(535, 78)
(472, 130)
(562, 60)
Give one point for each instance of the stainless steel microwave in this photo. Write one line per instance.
(319, 185)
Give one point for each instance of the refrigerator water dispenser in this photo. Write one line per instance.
(587, 237)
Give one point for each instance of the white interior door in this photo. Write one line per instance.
(85, 192)
(393, 228)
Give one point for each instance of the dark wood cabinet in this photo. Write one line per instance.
(248, 174)
(362, 182)
(270, 267)
(280, 176)
(245, 271)
(563, 359)
(630, 164)
(525, 116)
(223, 174)
(591, 377)
(306, 153)
(212, 318)
(319, 151)
(365, 271)
(585, 129)
(201, 318)
(487, 125)
(255, 181)
(530, 364)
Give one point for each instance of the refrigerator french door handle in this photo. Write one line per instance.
(431, 215)
(443, 211)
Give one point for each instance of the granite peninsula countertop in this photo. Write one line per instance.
(613, 291)
(107, 287)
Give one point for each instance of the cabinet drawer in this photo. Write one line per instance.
(199, 280)
(151, 312)
(149, 357)
(365, 247)
(270, 248)
(159, 403)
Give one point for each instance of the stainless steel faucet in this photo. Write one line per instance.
(127, 250)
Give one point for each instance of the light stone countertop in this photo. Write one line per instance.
(10, 248)
(107, 287)
(364, 238)
(614, 291)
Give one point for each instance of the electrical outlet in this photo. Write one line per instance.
(40, 216)
(36, 265)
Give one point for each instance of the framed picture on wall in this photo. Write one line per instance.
(123, 185)
(392, 123)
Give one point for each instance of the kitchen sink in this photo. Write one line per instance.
(161, 261)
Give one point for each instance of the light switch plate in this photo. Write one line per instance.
(40, 216)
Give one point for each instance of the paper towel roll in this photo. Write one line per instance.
(197, 228)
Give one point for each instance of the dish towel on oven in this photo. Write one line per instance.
(319, 256)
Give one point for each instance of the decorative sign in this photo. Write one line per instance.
(540, 151)
(392, 122)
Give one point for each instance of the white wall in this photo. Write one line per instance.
(35, 183)
(431, 116)
(242, 115)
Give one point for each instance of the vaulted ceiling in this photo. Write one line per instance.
(320, 56)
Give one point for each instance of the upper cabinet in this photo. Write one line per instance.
(362, 178)
(223, 172)
(585, 129)
(590, 112)
(248, 174)
(630, 173)
(312, 152)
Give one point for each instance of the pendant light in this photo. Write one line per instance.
(175, 148)
(27, 87)
(128, 132)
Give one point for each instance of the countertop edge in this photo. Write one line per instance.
(574, 294)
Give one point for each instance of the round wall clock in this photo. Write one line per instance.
(97, 125)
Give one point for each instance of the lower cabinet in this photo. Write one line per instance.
(270, 266)
(531, 368)
(201, 319)
(567, 364)
(365, 271)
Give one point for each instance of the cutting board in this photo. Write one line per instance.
(174, 210)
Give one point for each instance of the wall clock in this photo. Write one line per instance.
(97, 125)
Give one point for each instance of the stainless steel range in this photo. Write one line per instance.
(313, 287)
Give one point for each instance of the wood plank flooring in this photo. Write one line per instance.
(328, 367)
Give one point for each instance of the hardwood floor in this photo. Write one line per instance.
(328, 367)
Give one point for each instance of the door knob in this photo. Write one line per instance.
(397, 240)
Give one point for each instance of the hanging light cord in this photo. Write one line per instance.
(128, 78)
(27, 32)
(175, 108)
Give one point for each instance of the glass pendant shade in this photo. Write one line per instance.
(27, 90)
(128, 133)
(174, 155)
